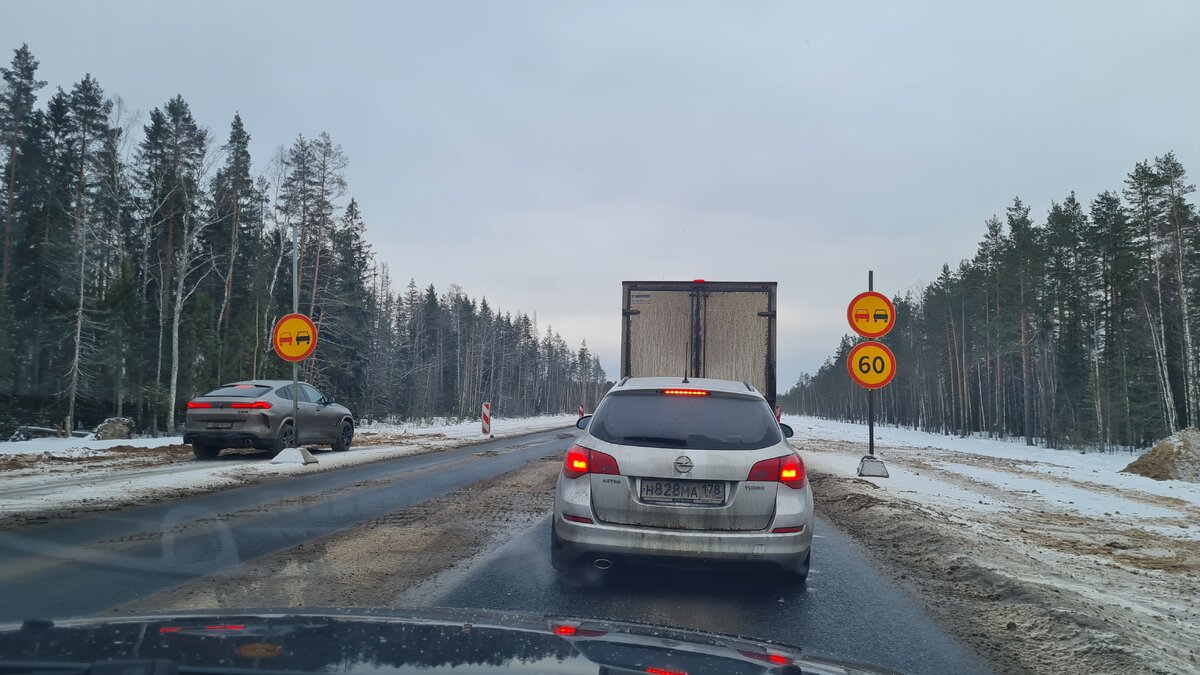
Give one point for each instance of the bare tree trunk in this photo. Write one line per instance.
(1187, 360)
(223, 317)
(81, 252)
(176, 315)
(8, 205)
(1027, 384)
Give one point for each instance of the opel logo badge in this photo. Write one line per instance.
(683, 464)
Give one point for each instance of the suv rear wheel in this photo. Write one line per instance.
(344, 438)
(286, 438)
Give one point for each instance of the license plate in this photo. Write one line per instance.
(220, 425)
(683, 491)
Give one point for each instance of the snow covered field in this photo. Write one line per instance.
(1051, 559)
(46, 477)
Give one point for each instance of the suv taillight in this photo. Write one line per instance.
(256, 405)
(581, 460)
(788, 470)
(192, 405)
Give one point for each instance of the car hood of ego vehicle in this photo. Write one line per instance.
(349, 641)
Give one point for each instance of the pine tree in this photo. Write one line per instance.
(17, 99)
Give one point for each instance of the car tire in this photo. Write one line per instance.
(344, 438)
(205, 452)
(285, 439)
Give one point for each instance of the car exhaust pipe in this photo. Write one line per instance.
(602, 563)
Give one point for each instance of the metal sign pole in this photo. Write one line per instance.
(295, 310)
(871, 392)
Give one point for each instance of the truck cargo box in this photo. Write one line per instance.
(719, 329)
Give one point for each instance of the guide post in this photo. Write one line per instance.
(871, 392)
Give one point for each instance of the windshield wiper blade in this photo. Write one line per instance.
(662, 440)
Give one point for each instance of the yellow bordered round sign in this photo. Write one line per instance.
(294, 337)
(871, 365)
(871, 314)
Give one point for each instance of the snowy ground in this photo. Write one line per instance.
(53, 477)
(1051, 560)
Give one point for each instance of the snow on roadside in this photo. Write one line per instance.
(48, 477)
(77, 447)
(959, 471)
(1044, 560)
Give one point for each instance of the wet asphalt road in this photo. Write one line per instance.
(846, 610)
(86, 566)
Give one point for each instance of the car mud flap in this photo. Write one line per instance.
(872, 467)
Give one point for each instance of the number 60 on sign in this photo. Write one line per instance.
(871, 364)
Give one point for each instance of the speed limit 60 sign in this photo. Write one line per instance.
(871, 364)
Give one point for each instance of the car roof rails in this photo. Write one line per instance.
(623, 380)
(748, 386)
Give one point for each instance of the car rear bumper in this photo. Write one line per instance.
(583, 542)
(240, 438)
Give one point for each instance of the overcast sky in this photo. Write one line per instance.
(539, 153)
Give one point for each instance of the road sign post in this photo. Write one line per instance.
(295, 338)
(487, 419)
(871, 364)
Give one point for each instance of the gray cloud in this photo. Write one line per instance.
(540, 153)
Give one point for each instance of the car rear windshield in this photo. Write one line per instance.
(714, 422)
(240, 391)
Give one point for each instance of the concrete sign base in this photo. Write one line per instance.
(294, 456)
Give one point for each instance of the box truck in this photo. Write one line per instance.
(718, 329)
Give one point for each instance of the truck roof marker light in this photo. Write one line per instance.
(684, 392)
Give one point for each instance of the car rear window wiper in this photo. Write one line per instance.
(659, 440)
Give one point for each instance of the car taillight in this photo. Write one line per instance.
(684, 392)
(788, 470)
(777, 659)
(567, 630)
(192, 405)
(791, 472)
(256, 405)
(663, 671)
(581, 460)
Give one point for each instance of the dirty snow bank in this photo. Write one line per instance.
(56, 477)
(1176, 457)
(1043, 560)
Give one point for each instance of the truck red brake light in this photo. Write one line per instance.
(581, 460)
(788, 470)
(684, 392)
(256, 405)
(192, 405)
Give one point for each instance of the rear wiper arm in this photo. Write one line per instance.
(673, 442)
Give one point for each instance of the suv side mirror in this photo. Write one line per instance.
(582, 422)
(787, 430)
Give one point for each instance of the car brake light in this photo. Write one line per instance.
(567, 630)
(778, 659)
(192, 405)
(684, 392)
(169, 629)
(788, 470)
(663, 671)
(581, 460)
(256, 405)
